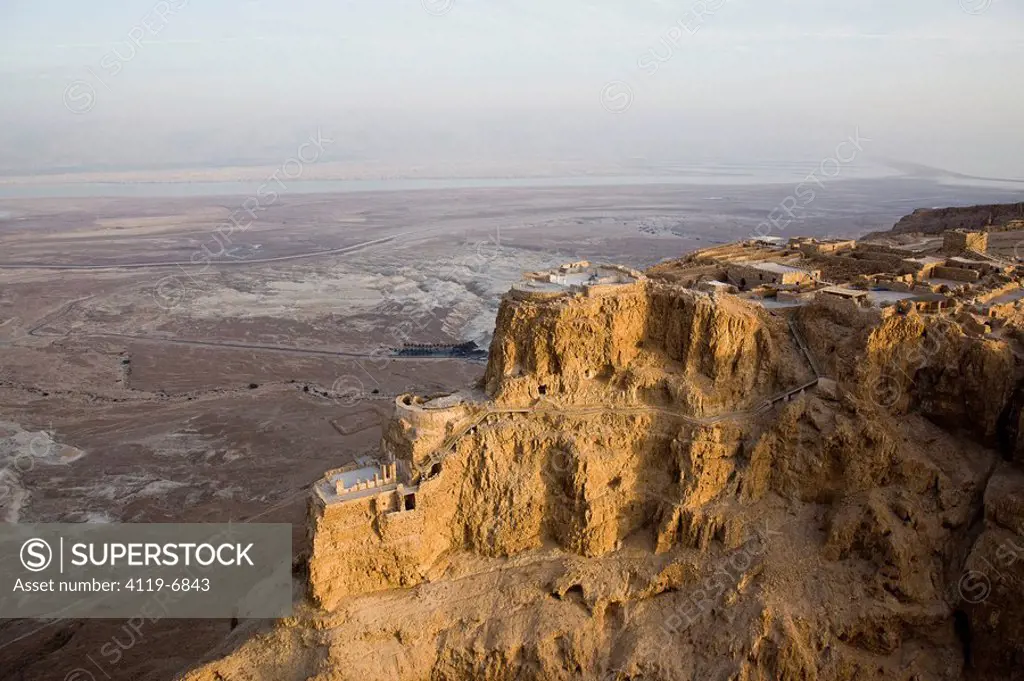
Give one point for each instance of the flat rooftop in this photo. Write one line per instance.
(327, 487)
(883, 298)
(844, 292)
(969, 261)
(777, 268)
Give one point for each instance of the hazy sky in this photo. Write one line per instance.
(143, 84)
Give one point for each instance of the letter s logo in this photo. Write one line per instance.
(36, 555)
(79, 97)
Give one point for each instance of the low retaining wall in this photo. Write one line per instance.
(956, 274)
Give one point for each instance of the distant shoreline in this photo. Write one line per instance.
(49, 187)
(157, 189)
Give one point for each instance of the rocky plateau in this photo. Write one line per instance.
(660, 483)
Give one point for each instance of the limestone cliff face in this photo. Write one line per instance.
(517, 483)
(655, 343)
(819, 543)
(992, 583)
(920, 364)
(933, 366)
(562, 343)
(894, 491)
(592, 436)
(910, 365)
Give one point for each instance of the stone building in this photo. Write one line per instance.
(578, 277)
(929, 303)
(759, 273)
(829, 247)
(982, 267)
(959, 241)
(844, 292)
(956, 274)
(921, 268)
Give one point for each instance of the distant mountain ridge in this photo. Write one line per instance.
(982, 218)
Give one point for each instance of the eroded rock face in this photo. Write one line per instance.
(582, 484)
(636, 519)
(937, 220)
(992, 583)
(919, 364)
(732, 564)
(654, 343)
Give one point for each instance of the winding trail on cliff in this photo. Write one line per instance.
(447, 446)
(596, 410)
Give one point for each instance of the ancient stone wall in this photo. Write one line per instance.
(956, 274)
(417, 429)
(957, 242)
